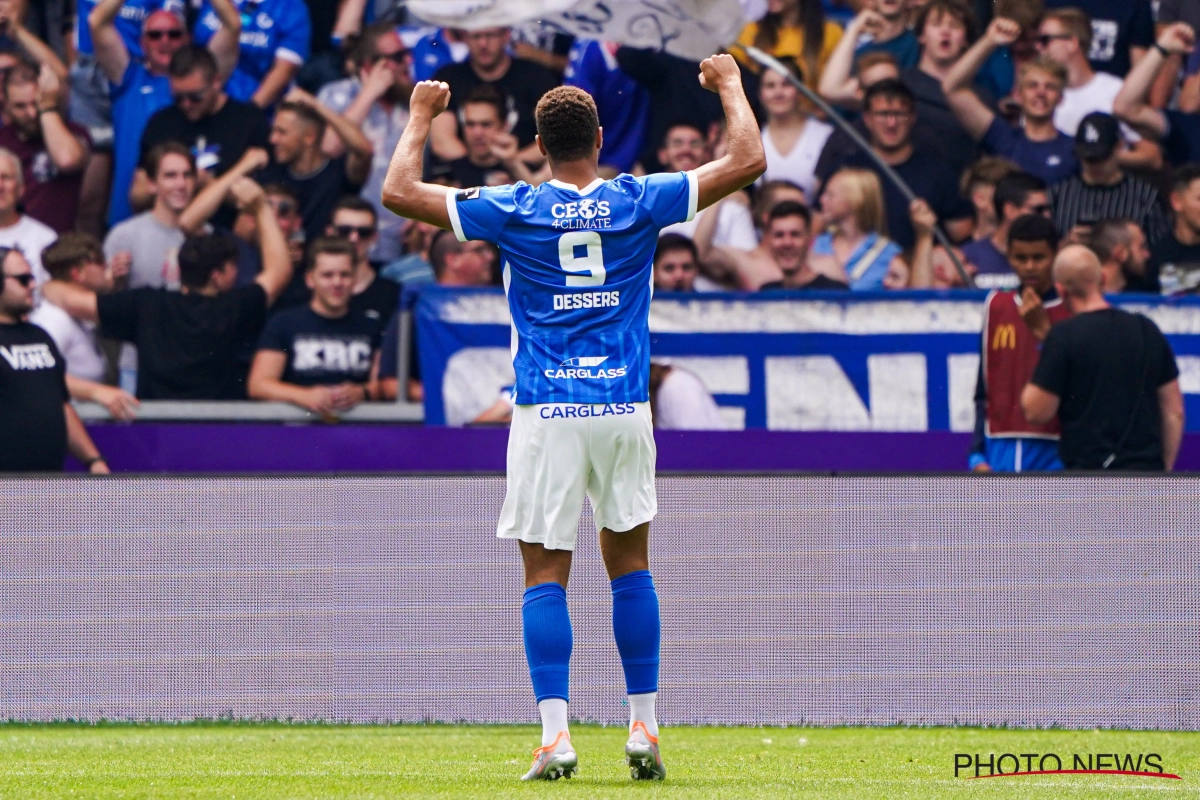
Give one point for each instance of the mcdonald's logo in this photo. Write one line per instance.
(1005, 336)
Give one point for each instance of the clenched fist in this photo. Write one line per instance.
(719, 70)
(431, 97)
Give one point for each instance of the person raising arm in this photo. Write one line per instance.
(404, 192)
(1130, 105)
(970, 111)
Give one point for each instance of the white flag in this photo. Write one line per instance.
(691, 29)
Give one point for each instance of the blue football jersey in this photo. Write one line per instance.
(578, 270)
(270, 29)
(128, 23)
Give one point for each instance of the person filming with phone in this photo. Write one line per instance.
(1109, 375)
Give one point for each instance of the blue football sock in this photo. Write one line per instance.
(547, 639)
(636, 628)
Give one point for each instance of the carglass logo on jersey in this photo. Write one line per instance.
(581, 215)
(582, 367)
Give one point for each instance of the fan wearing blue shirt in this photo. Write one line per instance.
(578, 257)
(434, 51)
(276, 39)
(887, 21)
(1037, 147)
(139, 87)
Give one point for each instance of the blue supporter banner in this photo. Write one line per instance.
(811, 361)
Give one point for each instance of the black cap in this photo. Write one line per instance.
(1097, 136)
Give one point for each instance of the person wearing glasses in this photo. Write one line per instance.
(276, 40)
(374, 296)
(1015, 196)
(1065, 37)
(218, 129)
(375, 98)
(321, 356)
(889, 114)
(1035, 146)
(38, 425)
(140, 87)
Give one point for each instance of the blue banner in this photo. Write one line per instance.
(808, 361)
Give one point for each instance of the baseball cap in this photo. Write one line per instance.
(1097, 136)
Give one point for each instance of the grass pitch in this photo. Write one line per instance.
(319, 761)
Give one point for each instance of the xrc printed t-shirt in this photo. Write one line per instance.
(322, 351)
(577, 268)
(270, 29)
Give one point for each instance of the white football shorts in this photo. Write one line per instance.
(558, 452)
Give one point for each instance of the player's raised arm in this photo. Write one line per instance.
(404, 192)
(744, 160)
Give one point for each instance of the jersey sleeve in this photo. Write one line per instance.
(295, 34)
(480, 213)
(670, 197)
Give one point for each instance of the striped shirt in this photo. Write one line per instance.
(1133, 199)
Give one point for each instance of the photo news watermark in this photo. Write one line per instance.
(1013, 765)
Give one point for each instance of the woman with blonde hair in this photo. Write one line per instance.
(855, 248)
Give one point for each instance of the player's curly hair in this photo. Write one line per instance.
(567, 122)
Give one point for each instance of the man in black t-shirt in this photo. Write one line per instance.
(37, 423)
(217, 129)
(1174, 265)
(354, 221)
(889, 112)
(521, 83)
(188, 341)
(320, 356)
(481, 118)
(301, 165)
(1110, 376)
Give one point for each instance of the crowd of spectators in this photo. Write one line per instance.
(197, 188)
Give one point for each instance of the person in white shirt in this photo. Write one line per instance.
(1065, 36)
(792, 138)
(17, 229)
(79, 259)
(684, 149)
(680, 401)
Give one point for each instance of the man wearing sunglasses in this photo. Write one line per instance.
(218, 129)
(139, 88)
(1065, 37)
(38, 425)
(375, 99)
(1034, 145)
(374, 296)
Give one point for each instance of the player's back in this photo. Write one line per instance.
(578, 269)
